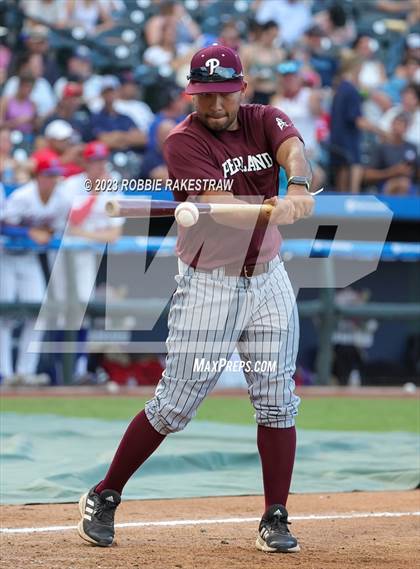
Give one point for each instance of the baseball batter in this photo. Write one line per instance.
(233, 291)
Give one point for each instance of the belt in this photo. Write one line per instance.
(235, 270)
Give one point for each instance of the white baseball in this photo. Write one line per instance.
(187, 214)
(112, 387)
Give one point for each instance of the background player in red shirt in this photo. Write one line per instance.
(233, 291)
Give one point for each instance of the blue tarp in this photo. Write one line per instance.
(47, 458)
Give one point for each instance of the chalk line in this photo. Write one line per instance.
(215, 521)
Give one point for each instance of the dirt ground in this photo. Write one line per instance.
(371, 542)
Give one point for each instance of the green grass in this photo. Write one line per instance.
(331, 414)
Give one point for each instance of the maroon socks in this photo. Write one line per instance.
(140, 440)
(277, 449)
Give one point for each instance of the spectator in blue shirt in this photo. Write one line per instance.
(394, 165)
(153, 164)
(322, 60)
(347, 122)
(116, 131)
(173, 107)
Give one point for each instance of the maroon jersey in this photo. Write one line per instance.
(247, 157)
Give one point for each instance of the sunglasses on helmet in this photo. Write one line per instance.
(202, 75)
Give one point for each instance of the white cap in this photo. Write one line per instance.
(59, 130)
(109, 82)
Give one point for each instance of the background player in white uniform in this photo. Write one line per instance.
(233, 290)
(88, 218)
(36, 210)
(89, 221)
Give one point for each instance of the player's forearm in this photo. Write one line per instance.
(291, 156)
(298, 163)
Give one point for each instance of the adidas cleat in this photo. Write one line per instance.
(273, 534)
(98, 511)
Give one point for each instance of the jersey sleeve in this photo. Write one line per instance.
(189, 159)
(278, 127)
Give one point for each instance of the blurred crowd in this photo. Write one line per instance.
(347, 73)
(91, 89)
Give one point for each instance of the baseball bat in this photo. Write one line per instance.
(165, 208)
(138, 207)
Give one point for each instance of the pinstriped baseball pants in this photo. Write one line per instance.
(210, 315)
